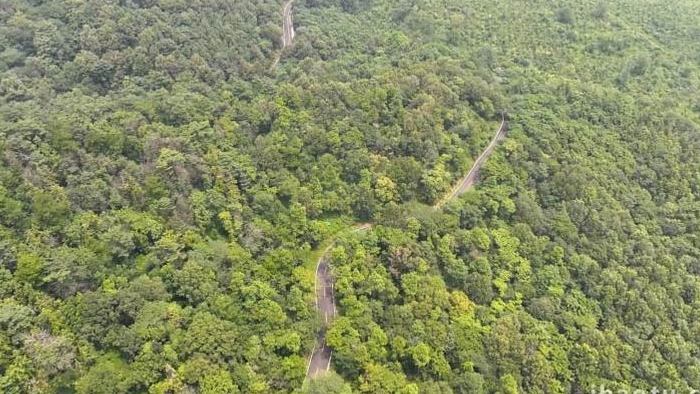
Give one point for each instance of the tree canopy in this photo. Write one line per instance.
(164, 192)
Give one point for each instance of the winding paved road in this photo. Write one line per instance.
(468, 181)
(287, 30)
(321, 355)
(287, 24)
(320, 361)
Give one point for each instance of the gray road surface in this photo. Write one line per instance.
(320, 360)
(287, 30)
(468, 181)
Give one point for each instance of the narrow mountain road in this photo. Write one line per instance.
(321, 355)
(287, 24)
(287, 30)
(468, 181)
(320, 361)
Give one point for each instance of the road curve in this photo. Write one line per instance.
(468, 180)
(287, 24)
(287, 30)
(321, 355)
(320, 361)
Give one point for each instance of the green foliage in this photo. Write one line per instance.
(218, 382)
(329, 383)
(29, 267)
(564, 15)
(165, 193)
(109, 375)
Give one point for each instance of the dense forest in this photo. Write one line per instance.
(165, 190)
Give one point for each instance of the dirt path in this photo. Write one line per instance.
(287, 30)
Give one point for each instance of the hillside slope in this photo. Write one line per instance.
(163, 193)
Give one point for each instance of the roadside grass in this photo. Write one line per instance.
(330, 229)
